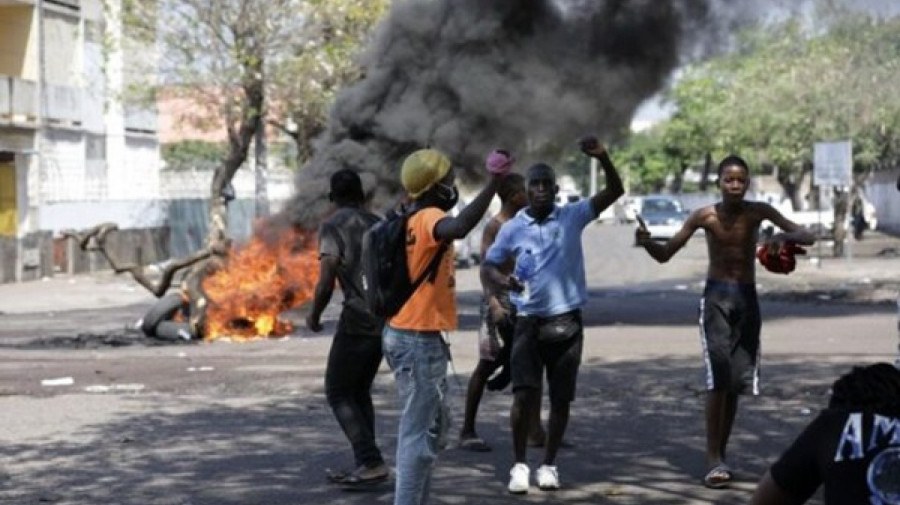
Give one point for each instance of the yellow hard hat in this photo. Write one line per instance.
(422, 169)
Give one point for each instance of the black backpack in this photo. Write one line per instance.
(385, 281)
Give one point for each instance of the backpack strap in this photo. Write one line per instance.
(430, 271)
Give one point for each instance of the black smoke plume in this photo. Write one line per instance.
(465, 76)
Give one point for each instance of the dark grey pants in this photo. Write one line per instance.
(352, 364)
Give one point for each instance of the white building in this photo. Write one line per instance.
(71, 154)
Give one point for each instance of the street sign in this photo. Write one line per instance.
(832, 163)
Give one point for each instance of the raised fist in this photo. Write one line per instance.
(591, 146)
(499, 162)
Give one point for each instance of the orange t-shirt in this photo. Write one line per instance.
(433, 306)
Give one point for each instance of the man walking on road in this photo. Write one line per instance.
(356, 349)
(550, 289)
(413, 342)
(729, 310)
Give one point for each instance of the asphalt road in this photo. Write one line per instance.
(227, 423)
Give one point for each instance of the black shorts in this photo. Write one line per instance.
(530, 356)
(729, 332)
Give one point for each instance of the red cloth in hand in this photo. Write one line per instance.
(782, 261)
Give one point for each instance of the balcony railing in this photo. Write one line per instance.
(64, 106)
(18, 100)
(73, 4)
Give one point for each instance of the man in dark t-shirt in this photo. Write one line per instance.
(356, 349)
(852, 448)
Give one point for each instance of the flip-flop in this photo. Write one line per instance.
(718, 477)
(352, 480)
(475, 444)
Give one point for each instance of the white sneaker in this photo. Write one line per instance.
(518, 478)
(547, 478)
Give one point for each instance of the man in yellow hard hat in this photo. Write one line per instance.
(413, 340)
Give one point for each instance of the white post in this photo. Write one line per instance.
(819, 228)
(261, 171)
(593, 184)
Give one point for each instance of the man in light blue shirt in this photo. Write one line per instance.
(549, 290)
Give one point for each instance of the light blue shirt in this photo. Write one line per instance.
(549, 258)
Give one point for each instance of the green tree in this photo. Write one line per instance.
(192, 154)
(217, 53)
(786, 86)
(308, 79)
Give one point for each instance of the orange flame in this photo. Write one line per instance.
(276, 270)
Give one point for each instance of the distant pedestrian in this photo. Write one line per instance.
(498, 318)
(414, 344)
(729, 310)
(550, 288)
(356, 348)
(851, 449)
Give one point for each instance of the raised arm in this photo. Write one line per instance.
(614, 188)
(451, 228)
(498, 163)
(662, 252)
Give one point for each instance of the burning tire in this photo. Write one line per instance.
(157, 321)
(174, 331)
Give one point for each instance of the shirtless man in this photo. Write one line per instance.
(729, 310)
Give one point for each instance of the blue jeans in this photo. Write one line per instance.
(419, 362)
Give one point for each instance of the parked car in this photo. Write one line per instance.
(662, 214)
(567, 198)
(608, 214)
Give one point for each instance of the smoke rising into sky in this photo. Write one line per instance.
(465, 76)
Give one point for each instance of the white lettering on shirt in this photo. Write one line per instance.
(852, 435)
(887, 426)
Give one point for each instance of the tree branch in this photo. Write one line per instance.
(94, 239)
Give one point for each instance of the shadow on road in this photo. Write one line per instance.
(635, 429)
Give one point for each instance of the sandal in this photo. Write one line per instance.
(361, 477)
(718, 477)
(474, 444)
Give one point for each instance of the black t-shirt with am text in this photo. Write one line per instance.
(341, 236)
(854, 455)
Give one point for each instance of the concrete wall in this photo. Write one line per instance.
(149, 232)
(35, 250)
(135, 246)
(62, 34)
(63, 166)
